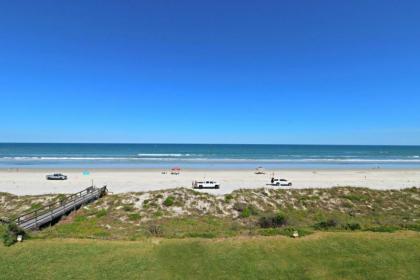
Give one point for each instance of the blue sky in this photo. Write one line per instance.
(333, 72)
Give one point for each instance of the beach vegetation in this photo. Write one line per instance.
(384, 228)
(245, 210)
(326, 224)
(272, 220)
(355, 197)
(249, 212)
(128, 207)
(228, 197)
(61, 197)
(169, 201)
(352, 226)
(134, 216)
(101, 213)
(10, 233)
(155, 229)
(414, 227)
(36, 206)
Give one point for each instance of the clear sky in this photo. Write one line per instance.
(333, 72)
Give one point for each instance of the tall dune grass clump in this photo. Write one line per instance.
(10, 234)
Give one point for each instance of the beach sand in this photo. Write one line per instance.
(29, 181)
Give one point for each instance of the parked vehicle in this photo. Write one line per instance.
(280, 182)
(56, 176)
(259, 171)
(205, 185)
(175, 171)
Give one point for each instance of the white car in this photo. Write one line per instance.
(205, 185)
(280, 182)
(56, 176)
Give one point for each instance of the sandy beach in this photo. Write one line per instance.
(30, 181)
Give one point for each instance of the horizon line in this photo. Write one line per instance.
(169, 143)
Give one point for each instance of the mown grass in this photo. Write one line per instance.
(361, 255)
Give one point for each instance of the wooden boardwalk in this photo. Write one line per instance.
(52, 212)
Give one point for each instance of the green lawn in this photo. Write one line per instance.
(323, 255)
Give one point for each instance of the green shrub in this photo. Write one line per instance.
(415, 227)
(352, 226)
(228, 197)
(10, 234)
(273, 221)
(328, 224)
(169, 201)
(249, 211)
(246, 213)
(245, 210)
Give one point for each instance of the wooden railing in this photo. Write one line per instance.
(47, 213)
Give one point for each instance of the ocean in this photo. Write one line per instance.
(214, 156)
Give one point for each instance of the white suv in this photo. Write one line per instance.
(205, 185)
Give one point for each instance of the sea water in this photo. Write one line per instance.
(216, 156)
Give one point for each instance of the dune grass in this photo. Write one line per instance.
(323, 255)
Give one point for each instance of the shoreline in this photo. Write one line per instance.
(32, 181)
(189, 169)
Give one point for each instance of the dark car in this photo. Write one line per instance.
(57, 176)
